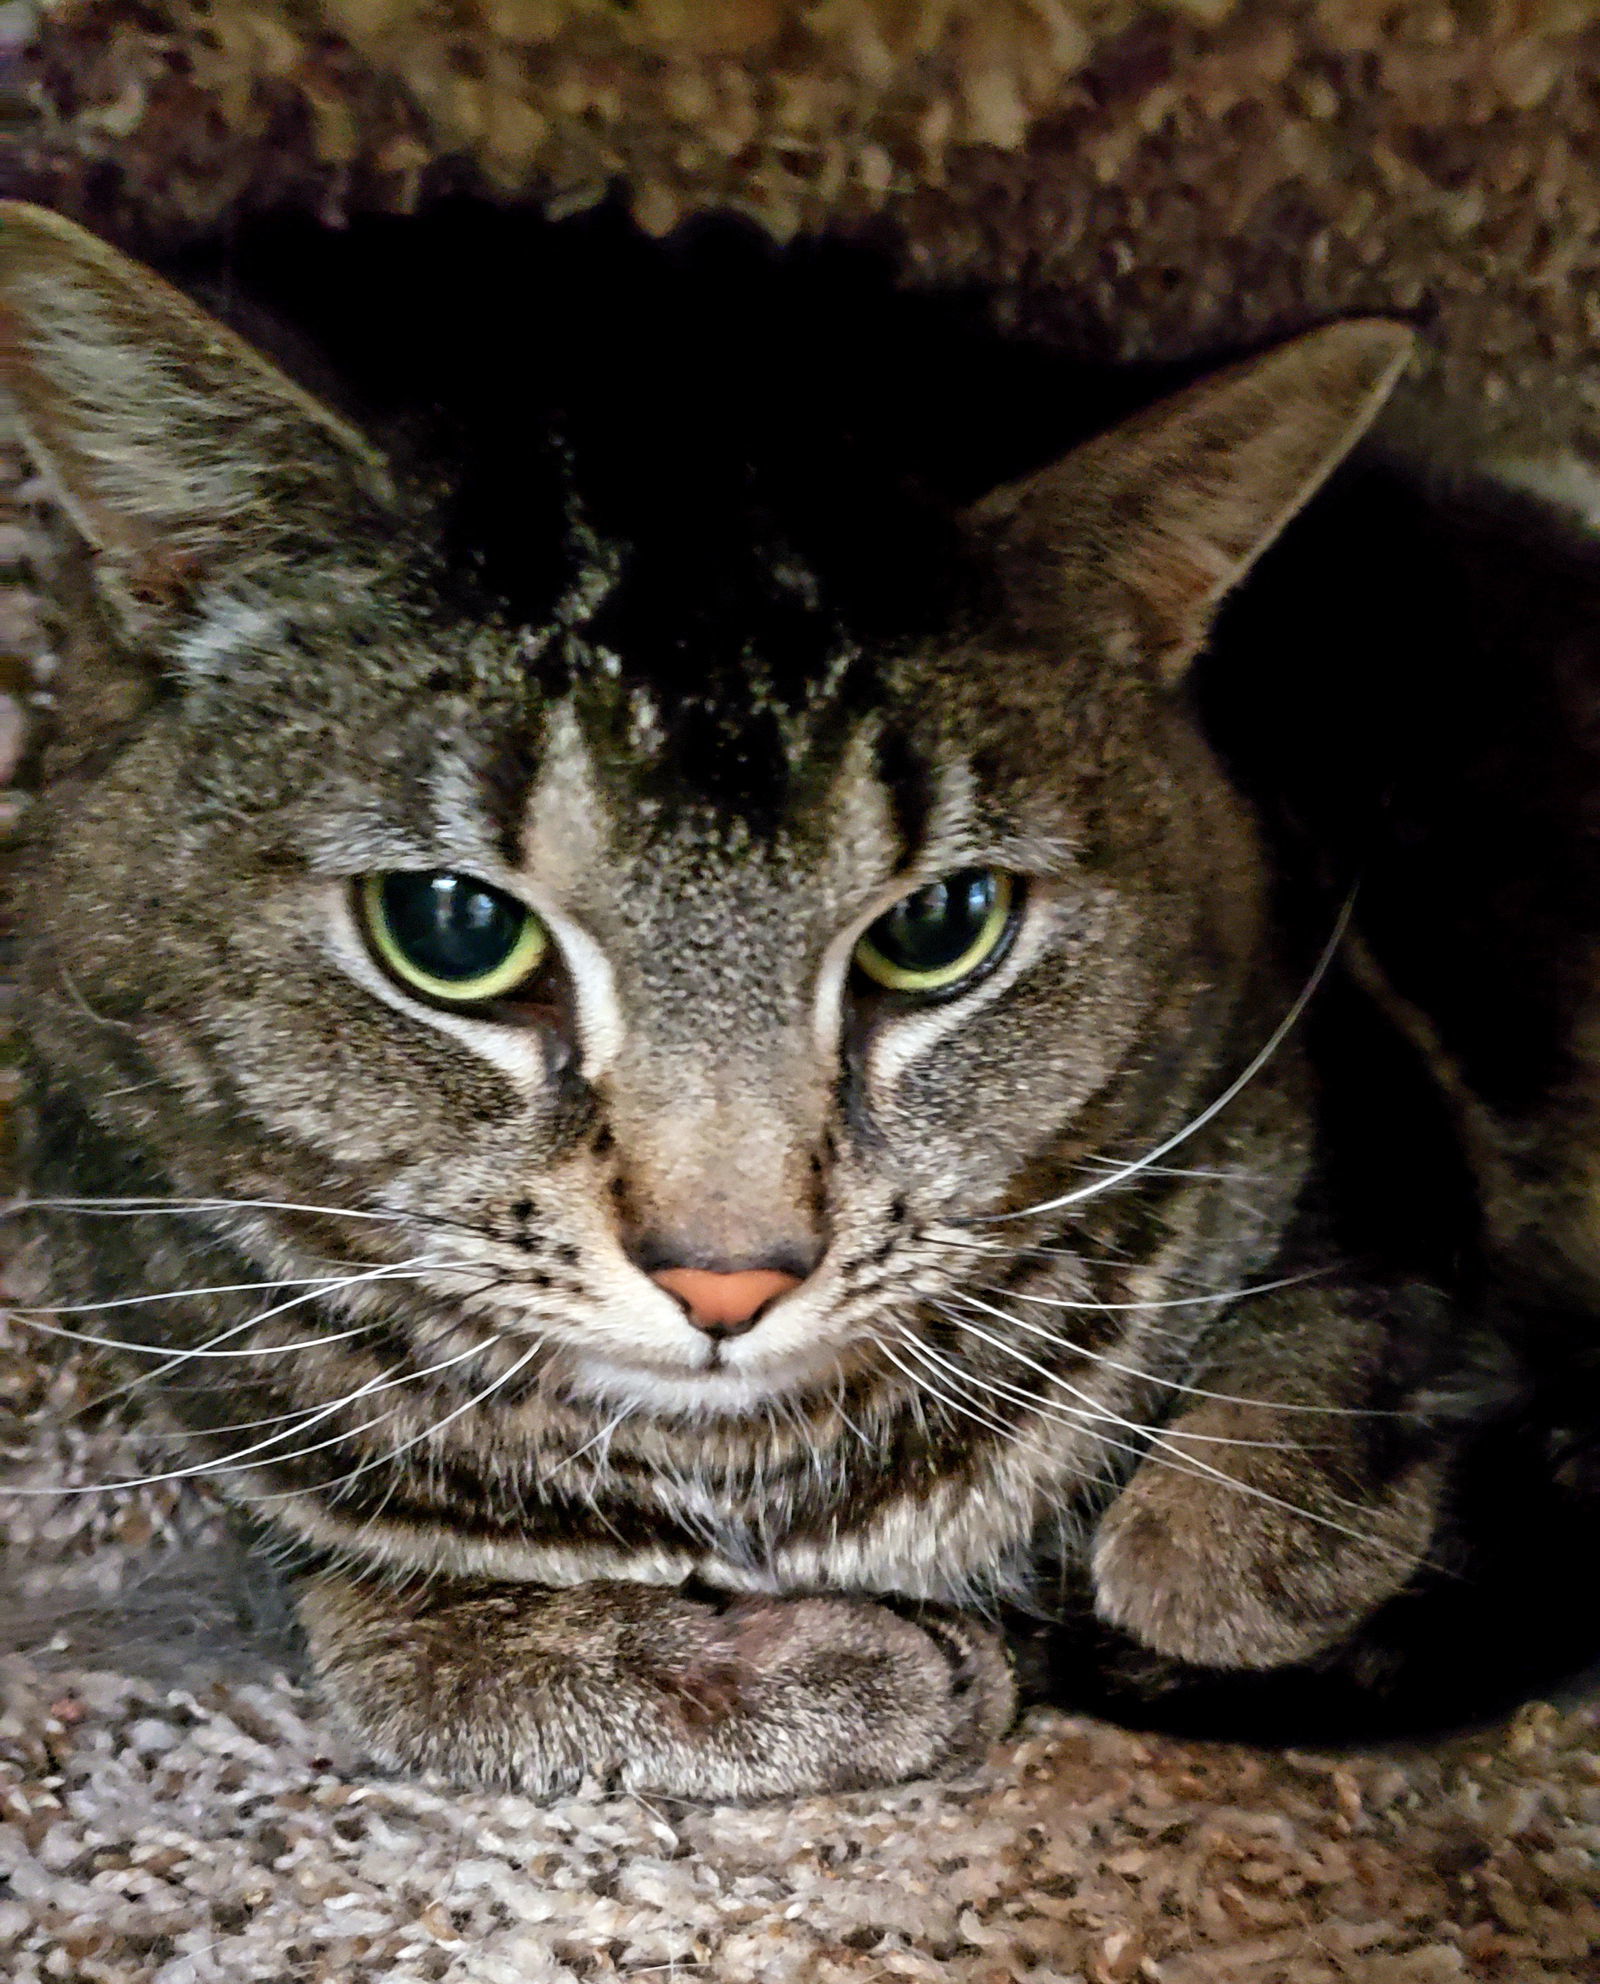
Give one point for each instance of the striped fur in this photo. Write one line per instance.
(541, 1525)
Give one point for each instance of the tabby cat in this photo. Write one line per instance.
(678, 1160)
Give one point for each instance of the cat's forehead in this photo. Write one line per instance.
(727, 687)
(728, 701)
(771, 792)
(728, 706)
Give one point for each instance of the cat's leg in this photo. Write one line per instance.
(1258, 1531)
(647, 1690)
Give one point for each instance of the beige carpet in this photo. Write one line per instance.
(172, 1834)
(176, 1809)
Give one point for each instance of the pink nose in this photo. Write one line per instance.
(724, 1304)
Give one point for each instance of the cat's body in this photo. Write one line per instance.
(546, 1516)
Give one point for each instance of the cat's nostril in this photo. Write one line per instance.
(725, 1304)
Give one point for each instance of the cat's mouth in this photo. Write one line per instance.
(715, 1378)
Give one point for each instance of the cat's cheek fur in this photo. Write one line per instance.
(645, 1690)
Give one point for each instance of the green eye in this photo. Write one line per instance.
(939, 935)
(451, 938)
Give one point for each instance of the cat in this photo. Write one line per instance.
(684, 1147)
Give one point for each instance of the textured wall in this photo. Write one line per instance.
(1136, 180)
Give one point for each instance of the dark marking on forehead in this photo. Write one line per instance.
(729, 639)
(751, 606)
(508, 772)
(907, 780)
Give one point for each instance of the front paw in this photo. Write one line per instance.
(874, 1693)
(1273, 1562)
(649, 1691)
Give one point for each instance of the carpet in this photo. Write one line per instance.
(177, 1808)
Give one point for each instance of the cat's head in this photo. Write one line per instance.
(646, 979)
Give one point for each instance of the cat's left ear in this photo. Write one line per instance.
(1147, 527)
(179, 452)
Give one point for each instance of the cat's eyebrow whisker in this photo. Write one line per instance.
(1121, 1173)
(1153, 1377)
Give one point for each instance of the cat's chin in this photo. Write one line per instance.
(715, 1392)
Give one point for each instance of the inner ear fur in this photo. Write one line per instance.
(1153, 522)
(176, 449)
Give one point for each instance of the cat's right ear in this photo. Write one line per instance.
(179, 452)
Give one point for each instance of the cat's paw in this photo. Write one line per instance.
(853, 1693)
(1263, 1558)
(647, 1690)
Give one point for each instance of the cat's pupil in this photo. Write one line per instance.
(450, 926)
(932, 929)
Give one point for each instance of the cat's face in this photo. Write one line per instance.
(699, 1072)
(700, 1065)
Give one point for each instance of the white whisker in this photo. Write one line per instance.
(314, 1415)
(417, 1267)
(428, 1432)
(317, 1283)
(1214, 1177)
(1192, 1464)
(299, 1412)
(137, 1206)
(595, 1440)
(1010, 1433)
(1090, 1409)
(1151, 1158)
(1165, 1301)
(1172, 1384)
(1074, 1417)
(410, 1271)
